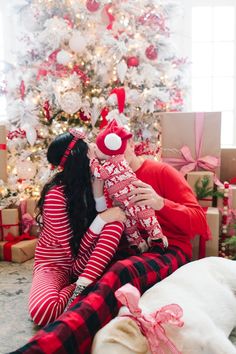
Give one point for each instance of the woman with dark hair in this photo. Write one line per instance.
(75, 243)
(181, 217)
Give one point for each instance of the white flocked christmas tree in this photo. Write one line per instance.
(82, 63)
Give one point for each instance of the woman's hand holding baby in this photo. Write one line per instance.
(113, 214)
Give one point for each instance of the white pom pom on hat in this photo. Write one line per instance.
(113, 140)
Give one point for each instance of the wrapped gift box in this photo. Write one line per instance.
(197, 178)
(31, 204)
(3, 153)
(17, 252)
(212, 246)
(9, 222)
(192, 140)
(228, 164)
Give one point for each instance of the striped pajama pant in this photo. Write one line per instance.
(52, 285)
(74, 330)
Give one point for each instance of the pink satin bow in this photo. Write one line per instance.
(27, 222)
(151, 324)
(187, 163)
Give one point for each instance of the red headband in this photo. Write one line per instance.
(77, 134)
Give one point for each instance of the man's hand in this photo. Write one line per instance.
(113, 214)
(144, 194)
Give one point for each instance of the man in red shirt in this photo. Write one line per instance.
(181, 218)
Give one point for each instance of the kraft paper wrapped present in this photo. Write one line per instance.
(191, 141)
(3, 153)
(31, 204)
(9, 222)
(228, 164)
(211, 246)
(202, 184)
(17, 252)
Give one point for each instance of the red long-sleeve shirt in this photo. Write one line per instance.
(182, 217)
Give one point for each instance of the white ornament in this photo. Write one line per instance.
(31, 17)
(112, 99)
(31, 134)
(119, 117)
(25, 169)
(112, 141)
(70, 102)
(63, 57)
(121, 70)
(95, 114)
(77, 42)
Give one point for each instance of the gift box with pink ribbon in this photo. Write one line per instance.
(3, 153)
(208, 248)
(191, 141)
(9, 222)
(28, 207)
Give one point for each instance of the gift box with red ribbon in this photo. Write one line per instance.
(9, 222)
(18, 250)
(191, 141)
(202, 184)
(3, 153)
(208, 248)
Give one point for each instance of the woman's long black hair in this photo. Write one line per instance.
(76, 179)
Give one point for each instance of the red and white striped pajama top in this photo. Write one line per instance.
(55, 268)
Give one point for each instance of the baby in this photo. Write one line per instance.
(118, 178)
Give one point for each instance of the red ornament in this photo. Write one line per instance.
(104, 121)
(92, 5)
(83, 116)
(132, 61)
(151, 52)
(46, 110)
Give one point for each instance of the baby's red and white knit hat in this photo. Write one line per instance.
(113, 139)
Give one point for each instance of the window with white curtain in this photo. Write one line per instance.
(210, 29)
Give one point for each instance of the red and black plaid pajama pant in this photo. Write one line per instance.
(74, 330)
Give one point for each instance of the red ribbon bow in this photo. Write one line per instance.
(11, 240)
